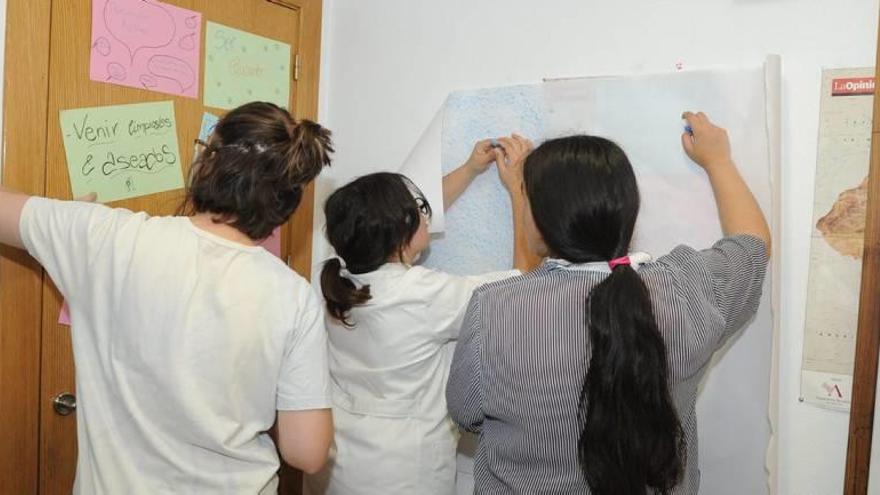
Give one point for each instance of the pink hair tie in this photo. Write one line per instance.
(623, 260)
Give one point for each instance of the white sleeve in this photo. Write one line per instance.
(304, 382)
(68, 237)
(453, 293)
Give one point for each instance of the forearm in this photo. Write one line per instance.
(455, 182)
(524, 259)
(11, 205)
(738, 210)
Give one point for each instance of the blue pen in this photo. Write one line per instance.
(688, 129)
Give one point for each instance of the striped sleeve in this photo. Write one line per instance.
(464, 394)
(731, 274)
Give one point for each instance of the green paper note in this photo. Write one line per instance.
(241, 67)
(122, 151)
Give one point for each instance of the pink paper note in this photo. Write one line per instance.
(273, 242)
(64, 317)
(146, 44)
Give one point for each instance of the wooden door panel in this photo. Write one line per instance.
(24, 154)
(70, 87)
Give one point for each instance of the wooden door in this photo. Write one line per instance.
(296, 22)
(867, 353)
(24, 159)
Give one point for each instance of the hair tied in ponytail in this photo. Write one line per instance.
(584, 199)
(341, 293)
(623, 260)
(635, 260)
(346, 274)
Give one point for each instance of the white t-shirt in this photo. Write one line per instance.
(185, 345)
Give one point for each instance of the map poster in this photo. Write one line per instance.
(837, 239)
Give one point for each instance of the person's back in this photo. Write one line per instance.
(389, 376)
(538, 357)
(180, 337)
(582, 376)
(391, 329)
(398, 345)
(189, 339)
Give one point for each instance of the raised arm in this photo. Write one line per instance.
(509, 159)
(455, 182)
(11, 204)
(738, 210)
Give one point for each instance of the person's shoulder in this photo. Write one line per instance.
(672, 271)
(516, 284)
(281, 272)
(684, 256)
(97, 210)
(282, 288)
(674, 259)
(428, 277)
(427, 282)
(162, 228)
(121, 221)
(424, 276)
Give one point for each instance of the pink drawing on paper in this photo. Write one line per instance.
(146, 44)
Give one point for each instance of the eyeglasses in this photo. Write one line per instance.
(424, 207)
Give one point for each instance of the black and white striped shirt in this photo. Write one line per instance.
(520, 365)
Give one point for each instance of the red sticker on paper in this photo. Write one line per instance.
(852, 86)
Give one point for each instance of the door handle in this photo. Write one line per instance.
(64, 404)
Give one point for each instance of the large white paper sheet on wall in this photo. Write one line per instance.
(422, 166)
(642, 114)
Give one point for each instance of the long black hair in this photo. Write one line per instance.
(585, 200)
(369, 220)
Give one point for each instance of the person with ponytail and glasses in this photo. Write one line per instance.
(190, 340)
(391, 327)
(582, 376)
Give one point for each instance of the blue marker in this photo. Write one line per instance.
(688, 129)
(494, 143)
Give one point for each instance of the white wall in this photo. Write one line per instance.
(388, 65)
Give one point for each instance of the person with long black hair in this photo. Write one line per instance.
(581, 377)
